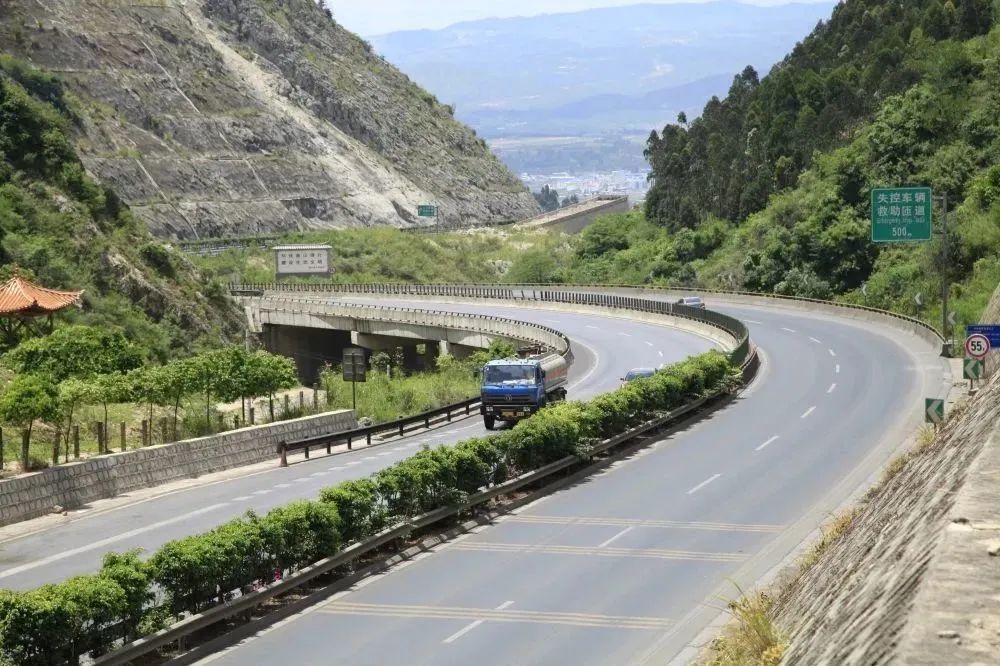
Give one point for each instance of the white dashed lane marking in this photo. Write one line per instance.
(767, 443)
(703, 484)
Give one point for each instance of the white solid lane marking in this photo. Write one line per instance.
(703, 484)
(110, 540)
(790, 330)
(463, 631)
(767, 443)
(838, 369)
(816, 341)
(808, 412)
(832, 388)
(617, 536)
(472, 625)
(832, 353)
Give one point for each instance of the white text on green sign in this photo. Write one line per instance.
(901, 214)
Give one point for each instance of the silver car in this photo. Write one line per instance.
(692, 302)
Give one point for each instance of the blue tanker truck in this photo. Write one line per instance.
(514, 389)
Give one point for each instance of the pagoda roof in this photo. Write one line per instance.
(23, 297)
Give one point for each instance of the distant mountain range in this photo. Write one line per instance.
(596, 71)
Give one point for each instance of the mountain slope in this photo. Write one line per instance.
(58, 227)
(886, 94)
(217, 117)
(764, 133)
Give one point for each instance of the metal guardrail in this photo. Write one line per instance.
(399, 426)
(247, 603)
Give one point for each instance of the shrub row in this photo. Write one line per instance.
(88, 614)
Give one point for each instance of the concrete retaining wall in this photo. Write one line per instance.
(575, 218)
(76, 484)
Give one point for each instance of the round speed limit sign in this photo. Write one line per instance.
(977, 346)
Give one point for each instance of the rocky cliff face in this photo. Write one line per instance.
(233, 117)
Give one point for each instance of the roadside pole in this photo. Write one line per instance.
(945, 278)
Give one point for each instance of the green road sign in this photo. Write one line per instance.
(973, 368)
(901, 214)
(933, 410)
(426, 210)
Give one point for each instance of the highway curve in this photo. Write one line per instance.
(604, 348)
(627, 566)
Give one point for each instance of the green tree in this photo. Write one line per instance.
(149, 385)
(75, 351)
(179, 379)
(547, 198)
(108, 389)
(534, 266)
(267, 374)
(73, 393)
(26, 399)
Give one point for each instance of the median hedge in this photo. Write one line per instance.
(91, 614)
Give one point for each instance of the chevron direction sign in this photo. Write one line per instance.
(973, 368)
(933, 410)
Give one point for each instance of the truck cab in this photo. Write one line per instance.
(514, 389)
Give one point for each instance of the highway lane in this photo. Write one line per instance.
(622, 565)
(604, 348)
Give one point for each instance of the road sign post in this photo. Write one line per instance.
(905, 214)
(977, 346)
(933, 410)
(354, 370)
(973, 369)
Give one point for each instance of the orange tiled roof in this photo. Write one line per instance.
(19, 296)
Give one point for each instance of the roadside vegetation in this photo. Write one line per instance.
(131, 597)
(82, 372)
(391, 393)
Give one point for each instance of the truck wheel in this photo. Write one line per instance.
(490, 422)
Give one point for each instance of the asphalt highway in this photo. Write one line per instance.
(605, 348)
(625, 567)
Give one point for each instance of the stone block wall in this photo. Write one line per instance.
(77, 484)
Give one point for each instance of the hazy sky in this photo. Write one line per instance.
(373, 17)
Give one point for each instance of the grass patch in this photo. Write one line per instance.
(751, 637)
(385, 399)
(832, 531)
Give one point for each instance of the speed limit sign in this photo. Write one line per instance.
(977, 346)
